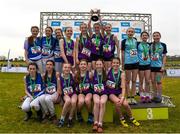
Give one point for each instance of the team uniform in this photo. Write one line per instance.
(113, 83)
(97, 44)
(99, 84)
(48, 46)
(34, 51)
(157, 56)
(84, 87)
(68, 50)
(58, 60)
(36, 89)
(67, 85)
(144, 56)
(84, 48)
(50, 95)
(131, 61)
(108, 47)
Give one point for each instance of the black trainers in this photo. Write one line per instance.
(90, 119)
(60, 123)
(28, 116)
(80, 118)
(70, 123)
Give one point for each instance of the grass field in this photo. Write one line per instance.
(11, 117)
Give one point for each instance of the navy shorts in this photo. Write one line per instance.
(155, 69)
(131, 66)
(144, 67)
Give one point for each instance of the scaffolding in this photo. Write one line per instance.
(145, 18)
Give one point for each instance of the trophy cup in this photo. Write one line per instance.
(95, 13)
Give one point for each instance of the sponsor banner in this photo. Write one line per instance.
(14, 69)
(173, 72)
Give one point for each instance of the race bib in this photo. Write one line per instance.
(133, 52)
(69, 52)
(51, 89)
(107, 48)
(36, 89)
(86, 52)
(84, 87)
(111, 84)
(68, 90)
(36, 49)
(98, 88)
(46, 51)
(56, 54)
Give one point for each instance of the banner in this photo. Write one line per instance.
(173, 72)
(118, 27)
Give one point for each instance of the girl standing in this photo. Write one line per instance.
(130, 63)
(32, 48)
(48, 45)
(110, 42)
(144, 67)
(83, 46)
(158, 61)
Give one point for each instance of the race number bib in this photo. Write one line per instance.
(155, 57)
(107, 48)
(98, 88)
(133, 52)
(86, 52)
(56, 54)
(51, 89)
(36, 89)
(84, 87)
(68, 90)
(69, 52)
(36, 49)
(46, 51)
(111, 84)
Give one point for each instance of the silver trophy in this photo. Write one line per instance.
(95, 13)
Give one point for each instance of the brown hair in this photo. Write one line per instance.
(154, 47)
(78, 75)
(80, 37)
(30, 38)
(103, 70)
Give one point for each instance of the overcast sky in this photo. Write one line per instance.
(17, 16)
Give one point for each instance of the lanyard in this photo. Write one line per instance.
(84, 78)
(99, 77)
(67, 44)
(131, 43)
(32, 83)
(145, 48)
(83, 42)
(97, 40)
(157, 45)
(116, 79)
(49, 81)
(48, 43)
(108, 43)
(34, 42)
(67, 85)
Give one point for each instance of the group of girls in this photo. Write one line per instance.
(76, 89)
(77, 72)
(146, 59)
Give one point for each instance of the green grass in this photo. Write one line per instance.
(11, 117)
